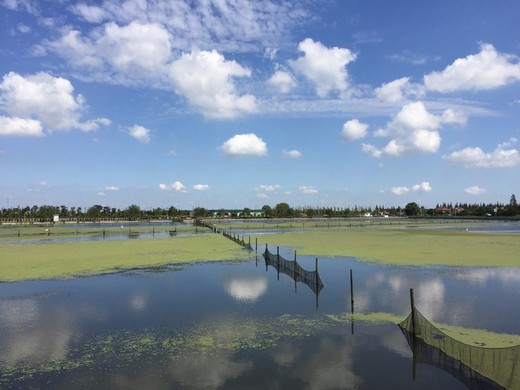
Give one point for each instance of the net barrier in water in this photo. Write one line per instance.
(238, 240)
(477, 367)
(294, 270)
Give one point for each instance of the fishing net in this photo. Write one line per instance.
(476, 366)
(294, 270)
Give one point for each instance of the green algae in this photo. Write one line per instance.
(125, 347)
(410, 246)
(72, 259)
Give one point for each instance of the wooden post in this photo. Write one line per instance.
(412, 306)
(294, 271)
(317, 274)
(351, 290)
(414, 341)
(278, 262)
(351, 302)
(256, 244)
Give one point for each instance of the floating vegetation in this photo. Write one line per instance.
(124, 348)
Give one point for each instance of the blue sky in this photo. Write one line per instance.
(233, 103)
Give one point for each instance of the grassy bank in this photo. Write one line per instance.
(407, 246)
(65, 260)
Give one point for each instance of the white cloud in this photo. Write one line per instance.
(112, 188)
(504, 156)
(20, 127)
(292, 153)
(177, 186)
(90, 13)
(23, 28)
(283, 81)
(44, 98)
(392, 92)
(127, 55)
(201, 187)
(137, 48)
(325, 67)
(354, 129)
(204, 78)
(308, 190)
(414, 130)
(399, 190)
(237, 26)
(422, 187)
(140, 133)
(267, 188)
(244, 145)
(474, 190)
(485, 70)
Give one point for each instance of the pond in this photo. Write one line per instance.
(241, 324)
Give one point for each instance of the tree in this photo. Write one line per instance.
(513, 206)
(267, 211)
(282, 210)
(412, 208)
(133, 211)
(199, 212)
(94, 211)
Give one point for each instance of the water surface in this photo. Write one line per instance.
(240, 325)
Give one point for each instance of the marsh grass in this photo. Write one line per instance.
(66, 260)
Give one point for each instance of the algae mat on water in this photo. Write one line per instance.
(65, 260)
(209, 339)
(407, 246)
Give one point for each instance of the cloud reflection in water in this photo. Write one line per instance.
(246, 289)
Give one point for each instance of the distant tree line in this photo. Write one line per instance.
(280, 210)
(95, 212)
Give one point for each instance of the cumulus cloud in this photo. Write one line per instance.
(201, 187)
(353, 130)
(204, 78)
(137, 48)
(244, 145)
(485, 70)
(422, 187)
(504, 156)
(414, 130)
(282, 81)
(308, 190)
(20, 127)
(112, 188)
(292, 153)
(140, 133)
(127, 55)
(325, 67)
(43, 101)
(474, 190)
(177, 186)
(393, 91)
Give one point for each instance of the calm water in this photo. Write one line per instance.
(236, 325)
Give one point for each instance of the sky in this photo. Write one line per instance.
(235, 103)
